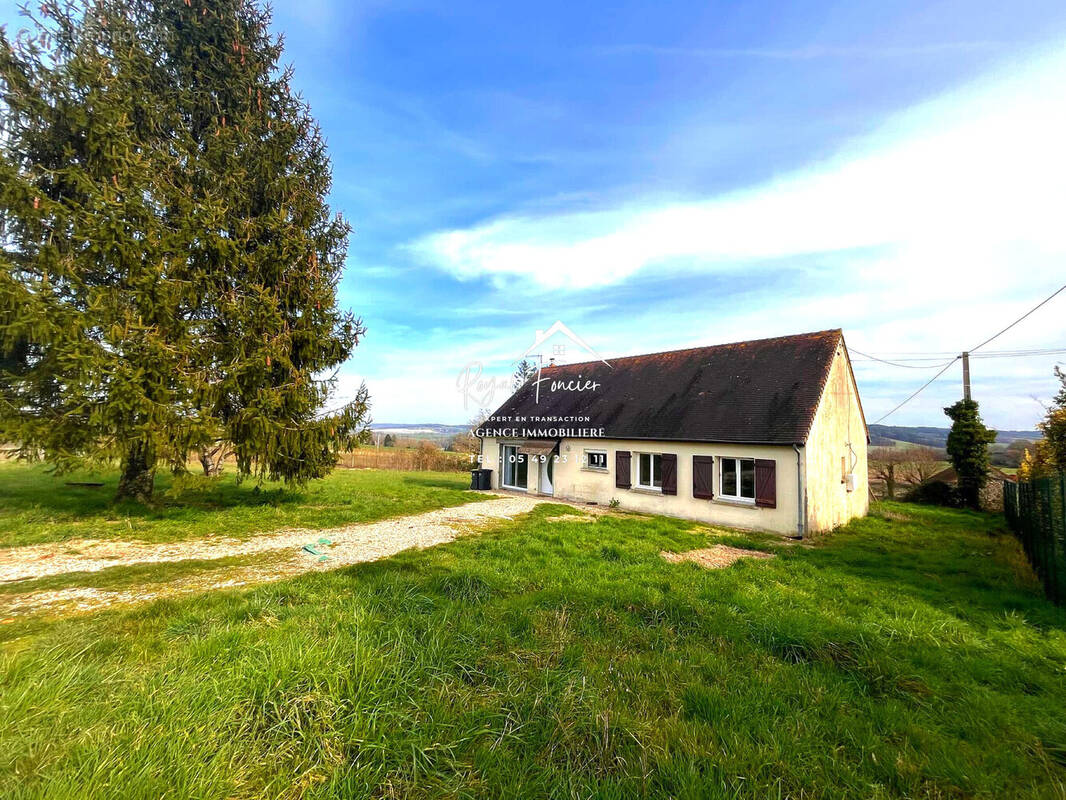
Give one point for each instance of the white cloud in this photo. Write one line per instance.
(972, 175)
(807, 52)
(928, 235)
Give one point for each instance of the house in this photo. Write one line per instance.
(765, 434)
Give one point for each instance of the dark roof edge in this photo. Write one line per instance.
(855, 386)
(698, 347)
(824, 380)
(787, 443)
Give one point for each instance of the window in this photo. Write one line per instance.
(650, 471)
(738, 479)
(515, 468)
(596, 459)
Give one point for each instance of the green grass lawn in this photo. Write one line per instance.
(36, 507)
(908, 655)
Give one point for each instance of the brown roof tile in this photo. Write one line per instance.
(764, 391)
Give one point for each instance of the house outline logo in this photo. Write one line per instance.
(559, 327)
(543, 336)
(476, 386)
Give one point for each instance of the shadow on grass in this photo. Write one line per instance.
(430, 480)
(978, 579)
(34, 488)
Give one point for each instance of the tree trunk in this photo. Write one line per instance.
(212, 459)
(138, 474)
(890, 483)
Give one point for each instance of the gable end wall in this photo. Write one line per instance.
(838, 422)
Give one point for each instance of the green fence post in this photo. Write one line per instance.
(1058, 536)
(1036, 512)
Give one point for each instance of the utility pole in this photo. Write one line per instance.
(966, 376)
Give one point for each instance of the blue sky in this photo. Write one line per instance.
(673, 174)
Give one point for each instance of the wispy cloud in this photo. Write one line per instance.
(971, 174)
(806, 52)
(929, 234)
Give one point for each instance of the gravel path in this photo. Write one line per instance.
(350, 545)
(353, 543)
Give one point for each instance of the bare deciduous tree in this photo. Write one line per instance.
(922, 464)
(467, 442)
(886, 464)
(907, 465)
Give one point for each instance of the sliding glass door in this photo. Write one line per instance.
(515, 468)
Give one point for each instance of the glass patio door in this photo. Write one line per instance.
(515, 468)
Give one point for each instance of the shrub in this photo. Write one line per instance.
(935, 493)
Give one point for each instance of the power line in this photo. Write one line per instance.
(919, 353)
(986, 341)
(1019, 354)
(897, 364)
(1023, 316)
(1021, 350)
(897, 408)
(989, 354)
(929, 353)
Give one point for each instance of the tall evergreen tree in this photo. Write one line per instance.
(169, 259)
(967, 448)
(523, 372)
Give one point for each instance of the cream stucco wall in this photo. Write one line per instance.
(838, 432)
(572, 481)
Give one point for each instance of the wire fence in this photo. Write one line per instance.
(1036, 512)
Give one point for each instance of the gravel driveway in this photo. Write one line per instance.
(350, 545)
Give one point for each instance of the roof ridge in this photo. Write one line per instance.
(700, 347)
(757, 391)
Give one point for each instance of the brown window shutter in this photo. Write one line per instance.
(621, 469)
(765, 483)
(669, 466)
(703, 477)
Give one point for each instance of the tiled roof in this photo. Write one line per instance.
(764, 391)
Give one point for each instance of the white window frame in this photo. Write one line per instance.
(503, 468)
(650, 487)
(588, 461)
(735, 498)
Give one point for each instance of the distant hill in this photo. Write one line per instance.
(935, 437)
(415, 428)
(879, 434)
(418, 431)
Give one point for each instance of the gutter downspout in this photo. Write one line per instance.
(800, 504)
